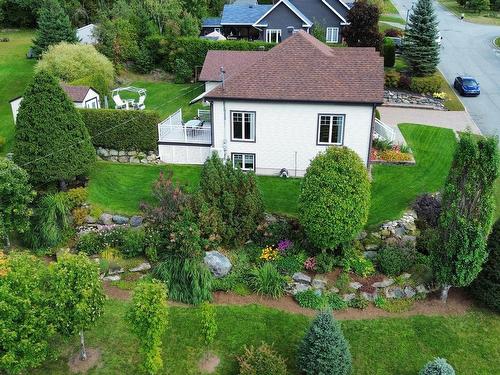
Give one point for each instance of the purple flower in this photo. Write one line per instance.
(284, 245)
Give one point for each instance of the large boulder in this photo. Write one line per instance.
(106, 219)
(136, 221)
(118, 219)
(302, 278)
(218, 263)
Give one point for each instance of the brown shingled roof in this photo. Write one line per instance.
(76, 93)
(232, 61)
(304, 69)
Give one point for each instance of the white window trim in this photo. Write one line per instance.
(333, 32)
(243, 156)
(243, 139)
(341, 131)
(269, 33)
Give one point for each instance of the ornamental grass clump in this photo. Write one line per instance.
(267, 280)
(324, 349)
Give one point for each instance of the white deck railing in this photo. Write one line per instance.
(384, 131)
(173, 130)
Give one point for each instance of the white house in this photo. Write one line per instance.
(81, 96)
(276, 110)
(86, 34)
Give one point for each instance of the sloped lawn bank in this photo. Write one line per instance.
(384, 346)
(120, 188)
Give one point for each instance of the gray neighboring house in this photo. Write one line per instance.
(274, 23)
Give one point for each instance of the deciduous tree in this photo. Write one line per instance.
(467, 213)
(362, 30)
(15, 197)
(148, 319)
(26, 318)
(78, 296)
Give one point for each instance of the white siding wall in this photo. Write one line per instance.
(179, 154)
(85, 34)
(14, 106)
(210, 85)
(286, 133)
(91, 94)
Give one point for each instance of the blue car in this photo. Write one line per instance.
(467, 86)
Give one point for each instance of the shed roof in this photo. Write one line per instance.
(76, 93)
(304, 69)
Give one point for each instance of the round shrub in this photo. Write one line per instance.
(262, 360)
(89, 243)
(486, 288)
(437, 367)
(324, 349)
(133, 243)
(335, 198)
(72, 62)
(393, 260)
(311, 299)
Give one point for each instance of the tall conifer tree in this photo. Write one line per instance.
(420, 46)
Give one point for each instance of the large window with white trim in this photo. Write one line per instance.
(245, 162)
(332, 34)
(273, 35)
(243, 126)
(331, 129)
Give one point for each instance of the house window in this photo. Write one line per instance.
(92, 103)
(246, 162)
(273, 35)
(332, 34)
(243, 126)
(330, 129)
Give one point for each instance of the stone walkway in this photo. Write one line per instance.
(455, 120)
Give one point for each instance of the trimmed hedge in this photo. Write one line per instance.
(122, 130)
(194, 49)
(426, 85)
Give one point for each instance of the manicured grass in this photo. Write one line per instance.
(390, 346)
(392, 18)
(168, 97)
(484, 17)
(452, 102)
(395, 187)
(389, 7)
(120, 188)
(15, 72)
(497, 42)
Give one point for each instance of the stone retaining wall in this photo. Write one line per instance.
(134, 157)
(403, 97)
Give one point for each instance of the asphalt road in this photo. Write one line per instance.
(467, 49)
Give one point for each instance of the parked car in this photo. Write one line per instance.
(398, 43)
(467, 86)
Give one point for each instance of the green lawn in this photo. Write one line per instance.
(15, 72)
(497, 42)
(395, 187)
(167, 97)
(121, 187)
(389, 346)
(111, 182)
(392, 18)
(389, 7)
(484, 17)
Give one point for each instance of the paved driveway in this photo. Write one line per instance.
(467, 49)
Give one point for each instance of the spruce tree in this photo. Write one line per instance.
(52, 143)
(54, 27)
(324, 349)
(486, 288)
(467, 213)
(420, 47)
(439, 366)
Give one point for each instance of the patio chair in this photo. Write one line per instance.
(140, 103)
(119, 103)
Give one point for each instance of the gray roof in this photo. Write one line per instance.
(211, 22)
(243, 14)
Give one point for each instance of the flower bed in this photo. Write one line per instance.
(385, 152)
